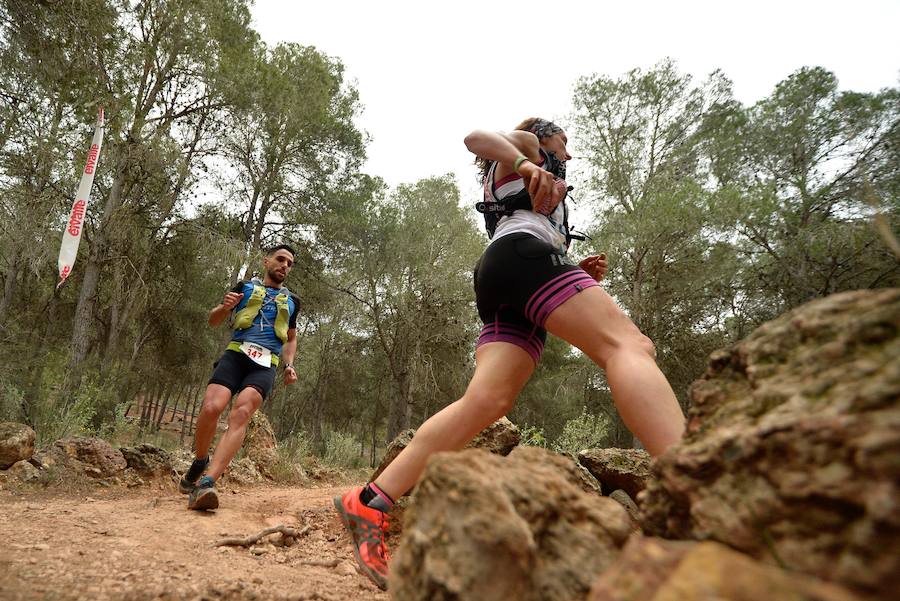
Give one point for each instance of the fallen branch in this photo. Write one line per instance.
(285, 531)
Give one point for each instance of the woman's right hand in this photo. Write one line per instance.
(542, 188)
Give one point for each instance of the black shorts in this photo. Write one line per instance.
(236, 372)
(519, 281)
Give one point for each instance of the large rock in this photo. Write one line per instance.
(260, 444)
(94, 456)
(792, 452)
(657, 570)
(16, 443)
(400, 442)
(148, 460)
(23, 471)
(626, 469)
(569, 466)
(499, 438)
(482, 526)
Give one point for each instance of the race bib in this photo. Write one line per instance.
(258, 354)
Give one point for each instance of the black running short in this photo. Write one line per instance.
(519, 281)
(236, 371)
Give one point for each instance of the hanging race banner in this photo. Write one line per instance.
(75, 224)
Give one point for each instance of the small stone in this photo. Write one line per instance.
(258, 550)
(345, 568)
(40, 547)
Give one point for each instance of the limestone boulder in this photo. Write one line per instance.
(243, 471)
(483, 526)
(23, 471)
(260, 445)
(500, 438)
(570, 468)
(625, 469)
(792, 452)
(148, 461)
(93, 456)
(652, 569)
(16, 443)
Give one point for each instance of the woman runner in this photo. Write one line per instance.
(525, 286)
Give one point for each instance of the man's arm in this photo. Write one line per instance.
(220, 312)
(287, 356)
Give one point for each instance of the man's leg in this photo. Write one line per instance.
(246, 404)
(214, 402)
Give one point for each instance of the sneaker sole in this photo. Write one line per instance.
(208, 499)
(376, 579)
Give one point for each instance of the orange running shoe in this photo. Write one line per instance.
(366, 526)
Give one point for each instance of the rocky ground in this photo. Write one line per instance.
(113, 543)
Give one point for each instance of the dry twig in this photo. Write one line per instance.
(285, 531)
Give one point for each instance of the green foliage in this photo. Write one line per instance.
(342, 450)
(11, 403)
(583, 432)
(533, 436)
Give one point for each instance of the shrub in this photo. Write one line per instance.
(583, 432)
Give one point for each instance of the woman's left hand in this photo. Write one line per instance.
(595, 266)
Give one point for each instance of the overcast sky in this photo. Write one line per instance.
(428, 73)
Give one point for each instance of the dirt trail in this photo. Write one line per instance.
(143, 544)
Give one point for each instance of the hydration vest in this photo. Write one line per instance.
(493, 211)
(243, 319)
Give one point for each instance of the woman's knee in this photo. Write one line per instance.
(643, 344)
(491, 404)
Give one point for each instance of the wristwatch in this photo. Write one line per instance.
(287, 365)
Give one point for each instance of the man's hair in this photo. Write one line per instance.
(274, 249)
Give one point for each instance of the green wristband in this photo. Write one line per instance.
(519, 162)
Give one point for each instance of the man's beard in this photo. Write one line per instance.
(275, 276)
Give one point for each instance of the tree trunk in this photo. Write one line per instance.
(161, 408)
(10, 285)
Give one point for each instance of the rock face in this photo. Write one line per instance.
(793, 446)
(16, 443)
(482, 526)
(23, 471)
(94, 456)
(657, 570)
(569, 467)
(400, 442)
(500, 438)
(626, 469)
(260, 444)
(148, 460)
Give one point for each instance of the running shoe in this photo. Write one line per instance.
(204, 495)
(366, 527)
(192, 475)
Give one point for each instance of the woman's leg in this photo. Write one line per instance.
(591, 321)
(501, 371)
